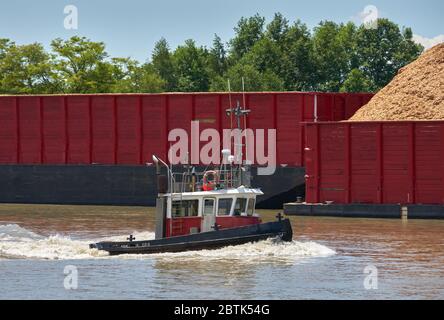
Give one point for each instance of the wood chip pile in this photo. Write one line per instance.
(416, 93)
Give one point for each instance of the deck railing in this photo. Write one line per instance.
(191, 182)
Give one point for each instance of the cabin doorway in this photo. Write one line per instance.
(208, 214)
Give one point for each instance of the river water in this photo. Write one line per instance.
(41, 245)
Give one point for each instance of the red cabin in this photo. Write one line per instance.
(202, 211)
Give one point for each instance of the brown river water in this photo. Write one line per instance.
(329, 258)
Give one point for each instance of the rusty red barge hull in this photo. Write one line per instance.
(92, 149)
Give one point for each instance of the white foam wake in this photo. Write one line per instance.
(17, 242)
(14, 232)
(267, 250)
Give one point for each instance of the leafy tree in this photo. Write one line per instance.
(81, 63)
(330, 56)
(347, 40)
(101, 79)
(146, 79)
(191, 65)
(271, 82)
(254, 80)
(298, 71)
(163, 64)
(5, 45)
(278, 28)
(265, 55)
(276, 56)
(133, 78)
(357, 81)
(248, 32)
(218, 57)
(382, 51)
(26, 69)
(409, 50)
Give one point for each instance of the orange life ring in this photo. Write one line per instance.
(210, 180)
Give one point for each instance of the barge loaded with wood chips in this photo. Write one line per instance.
(388, 160)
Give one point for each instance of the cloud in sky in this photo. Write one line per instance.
(428, 42)
(368, 16)
(369, 13)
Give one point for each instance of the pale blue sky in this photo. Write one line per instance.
(131, 27)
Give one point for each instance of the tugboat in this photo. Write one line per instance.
(204, 210)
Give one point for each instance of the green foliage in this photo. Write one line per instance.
(278, 29)
(248, 32)
(382, 51)
(81, 63)
(330, 55)
(26, 69)
(218, 57)
(276, 56)
(5, 45)
(163, 64)
(299, 66)
(191, 64)
(254, 80)
(357, 81)
(131, 77)
(265, 55)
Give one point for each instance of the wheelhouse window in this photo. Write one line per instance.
(250, 208)
(240, 205)
(208, 207)
(224, 207)
(185, 208)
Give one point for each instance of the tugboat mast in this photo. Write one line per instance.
(239, 112)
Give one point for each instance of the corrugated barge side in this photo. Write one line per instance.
(374, 169)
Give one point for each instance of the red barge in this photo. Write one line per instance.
(92, 149)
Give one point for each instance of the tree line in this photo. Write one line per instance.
(278, 56)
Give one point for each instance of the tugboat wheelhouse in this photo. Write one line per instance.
(192, 212)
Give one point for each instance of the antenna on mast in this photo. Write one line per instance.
(231, 117)
(245, 120)
(243, 92)
(238, 112)
(230, 102)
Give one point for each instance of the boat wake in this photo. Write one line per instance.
(266, 250)
(19, 243)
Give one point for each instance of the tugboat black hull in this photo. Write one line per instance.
(200, 241)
